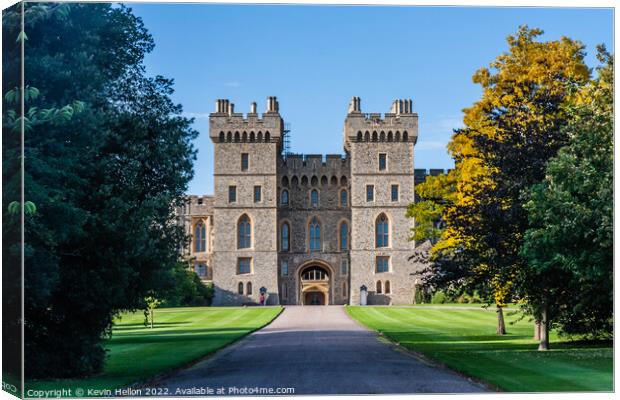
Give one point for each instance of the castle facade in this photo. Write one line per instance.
(307, 229)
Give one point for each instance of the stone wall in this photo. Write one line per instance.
(260, 136)
(299, 175)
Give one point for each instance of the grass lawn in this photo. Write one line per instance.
(465, 340)
(180, 335)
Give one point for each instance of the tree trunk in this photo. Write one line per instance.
(152, 317)
(544, 330)
(537, 329)
(501, 325)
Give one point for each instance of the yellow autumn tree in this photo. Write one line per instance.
(509, 134)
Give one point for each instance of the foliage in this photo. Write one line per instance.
(435, 194)
(104, 181)
(463, 340)
(571, 219)
(509, 135)
(439, 297)
(152, 303)
(187, 289)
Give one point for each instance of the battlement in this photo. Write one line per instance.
(311, 164)
(400, 124)
(225, 125)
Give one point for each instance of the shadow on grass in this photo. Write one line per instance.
(179, 336)
(128, 327)
(508, 342)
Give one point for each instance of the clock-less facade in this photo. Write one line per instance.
(309, 229)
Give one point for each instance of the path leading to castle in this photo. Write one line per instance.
(316, 350)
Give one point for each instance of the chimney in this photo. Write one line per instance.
(272, 104)
(231, 108)
(253, 108)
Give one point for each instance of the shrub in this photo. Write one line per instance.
(439, 297)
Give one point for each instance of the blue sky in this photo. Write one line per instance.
(315, 58)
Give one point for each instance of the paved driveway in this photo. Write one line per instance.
(317, 350)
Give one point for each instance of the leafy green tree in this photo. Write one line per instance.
(105, 182)
(186, 288)
(434, 194)
(569, 245)
(152, 303)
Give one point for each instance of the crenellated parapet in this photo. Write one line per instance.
(400, 124)
(226, 125)
(312, 162)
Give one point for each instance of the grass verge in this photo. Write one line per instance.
(465, 340)
(180, 336)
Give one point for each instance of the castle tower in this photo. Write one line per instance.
(382, 185)
(246, 150)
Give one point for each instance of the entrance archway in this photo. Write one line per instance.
(314, 285)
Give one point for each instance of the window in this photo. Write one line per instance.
(284, 291)
(315, 235)
(244, 229)
(240, 288)
(257, 194)
(245, 161)
(200, 269)
(200, 237)
(379, 287)
(344, 266)
(284, 237)
(344, 289)
(343, 198)
(370, 192)
(243, 265)
(382, 236)
(382, 161)
(314, 198)
(284, 197)
(315, 274)
(388, 289)
(383, 264)
(284, 268)
(344, 236)
(394, 192)
(232, 194)
(248, 288)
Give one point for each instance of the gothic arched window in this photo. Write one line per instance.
(379, 287)
(200, 237)
(244, 230)
(388, 289)
(343, 198)
(344, 236)
(382, 238)
(240, 288)
(284, 198)
(285, 237)
(248, 288)
(314, 198)
(315, 235)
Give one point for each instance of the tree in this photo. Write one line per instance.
(569, 245)
(105, 183)
(509, 135)
(434, 194)
(152, 303)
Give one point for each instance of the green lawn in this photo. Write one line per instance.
(465, 340)
(180, 335)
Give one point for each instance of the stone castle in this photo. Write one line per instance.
(307, 229)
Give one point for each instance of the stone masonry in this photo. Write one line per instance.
(308, 229)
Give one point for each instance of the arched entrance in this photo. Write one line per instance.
(314, 285)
